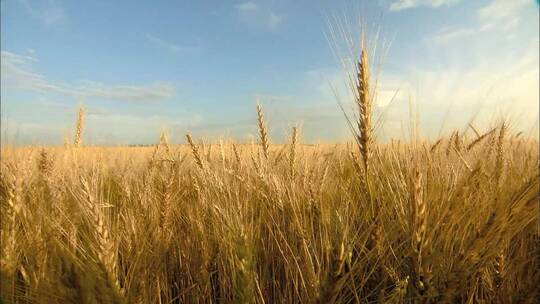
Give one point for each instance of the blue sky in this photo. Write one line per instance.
(199, 67)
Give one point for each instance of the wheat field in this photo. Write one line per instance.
(450, 221)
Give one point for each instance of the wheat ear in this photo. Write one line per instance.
(479, 139)
(236, 154)
(263, 132)
(79, 128)
(292, 152)
(195, 151)
(222, 153)
(44, 162)
(164, 142)
(500, 155)
(364, 106)
(106, 251)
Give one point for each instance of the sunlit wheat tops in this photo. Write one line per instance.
(263, 132)
(195, 152)
(79, 128)
(164, 142)
(107, 230)
(364, 108)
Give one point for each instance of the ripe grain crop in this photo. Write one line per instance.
(99, 227)
(376, 223)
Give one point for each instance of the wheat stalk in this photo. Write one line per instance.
(236, 154)
(451, 142)
(479, 139)
(165, 195)
(15, 212)
(434, 146)
(457, 142)
(499, 269)
(164, 142)
(364, 106)
(222, 153)
(79, 128)
(419, 230)
(263, 132)
(105, 245)
(292, 152)
(44, 163)
(195, 151)
(499, 162)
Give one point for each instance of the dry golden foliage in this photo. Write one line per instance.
(244, 234)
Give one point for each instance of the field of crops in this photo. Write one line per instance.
(421, 222)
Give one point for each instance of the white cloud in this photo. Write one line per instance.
(50, 12)
(399, 5)
(500, 87)
(256, 16)
(450, 34)
(247, 6)
(501, 13)
(18, 74)
(498, 15)
(390, 92)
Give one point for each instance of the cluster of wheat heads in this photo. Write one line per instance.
(444, 222)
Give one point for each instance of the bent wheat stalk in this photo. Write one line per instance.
(195, 151)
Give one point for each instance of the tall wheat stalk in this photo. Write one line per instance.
(195, 152)
(104, 244)
(364, 110)
(263, 132)
(418, 224)
(79, 128)
(292, 152)
(164, 142)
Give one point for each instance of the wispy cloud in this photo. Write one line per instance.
(268, 97)
(450, 34)
(399, 5)
(500, 15)
(17, 73)
(50, 12)
(247, 6)
(494, 86)
(171, 46)
(254, 15)
(505, 86)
